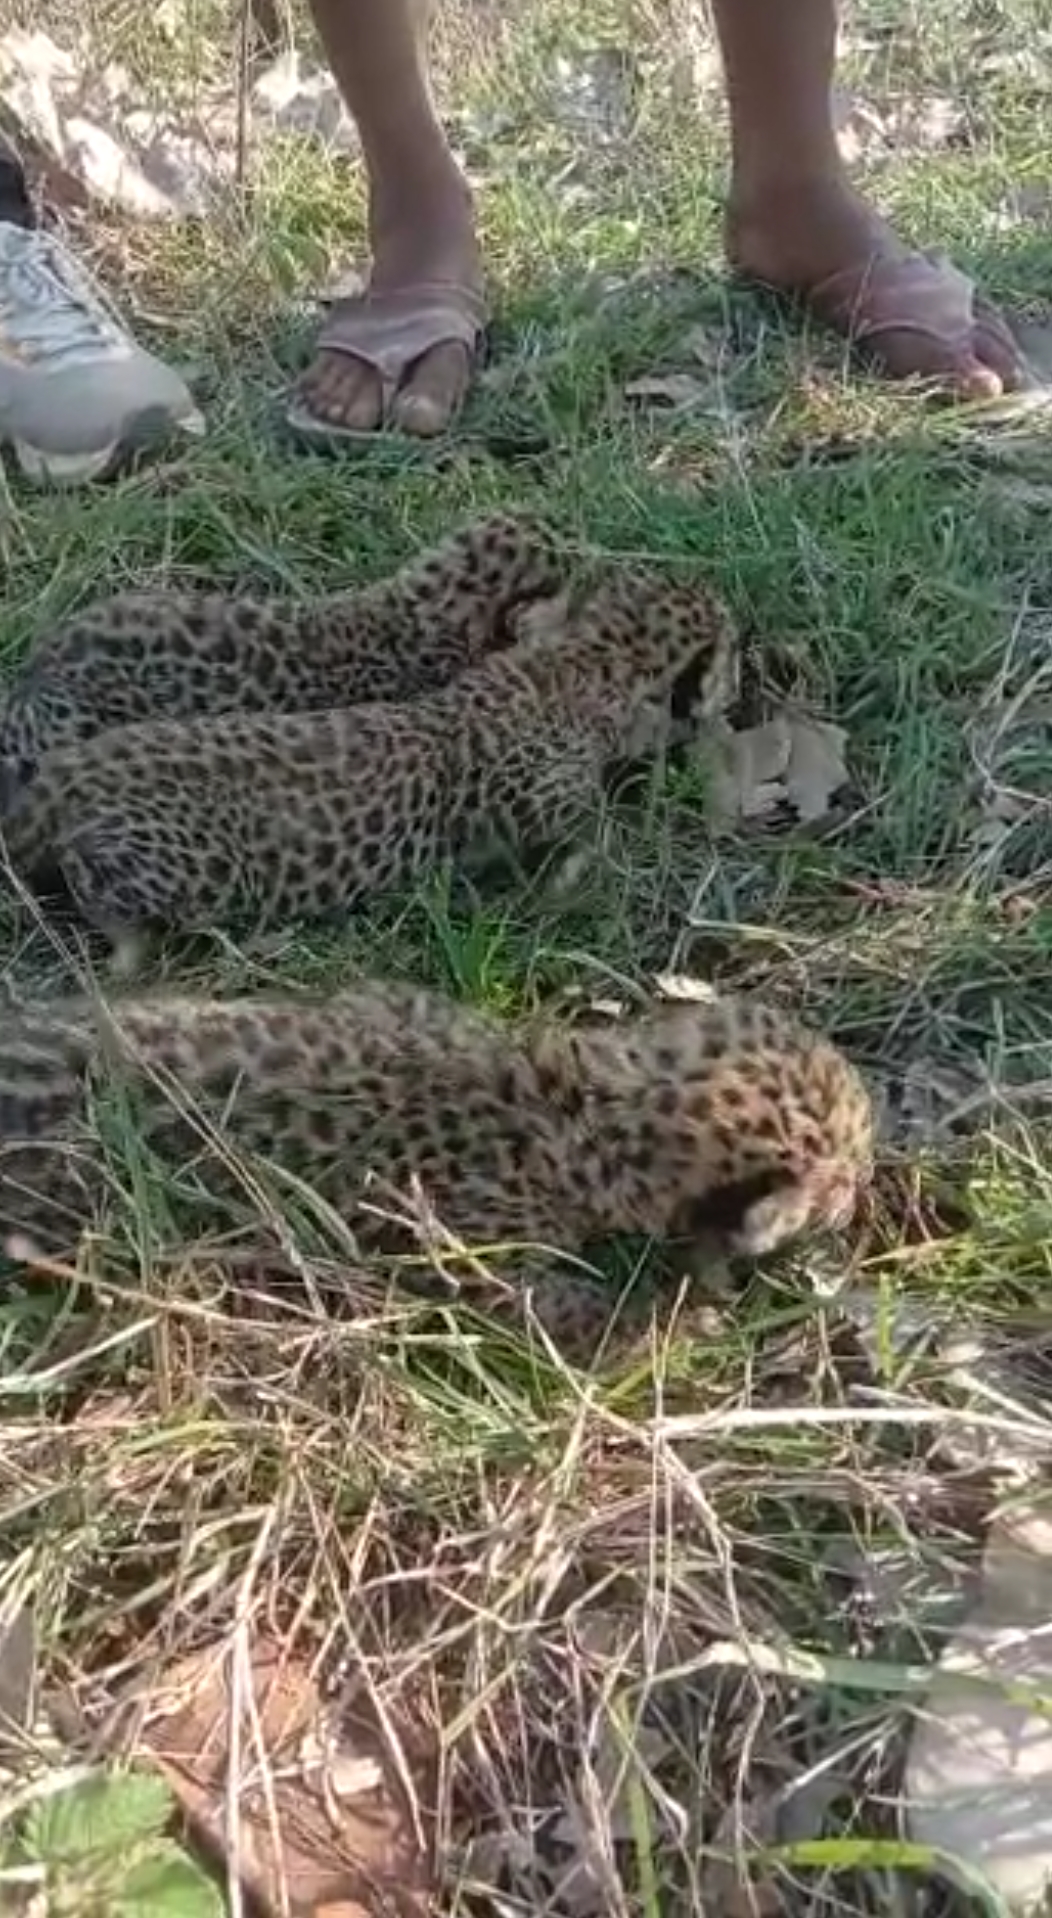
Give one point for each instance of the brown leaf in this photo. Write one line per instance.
(340, 1836)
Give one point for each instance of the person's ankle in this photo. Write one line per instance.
(432, 220)
(415, 183)
(801, 229)
(759, 193)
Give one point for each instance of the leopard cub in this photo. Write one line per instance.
(724, 1121)
(266, 819)
(163, 655)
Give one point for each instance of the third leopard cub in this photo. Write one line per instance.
(277, 818)
(724, 1120)
(143, 656)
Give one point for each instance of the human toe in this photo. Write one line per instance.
(341, 391)
(434, 390)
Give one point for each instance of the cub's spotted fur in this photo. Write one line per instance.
(144, 656)
(722, 1118)
(276, 818)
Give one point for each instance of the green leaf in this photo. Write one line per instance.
(168, 1884)
(104, 1814)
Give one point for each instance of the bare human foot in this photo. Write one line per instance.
(917, 315)
(402, 353)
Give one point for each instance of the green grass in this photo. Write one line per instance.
(180, 1444)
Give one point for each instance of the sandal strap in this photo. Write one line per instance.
(391, 329)
(888, 293)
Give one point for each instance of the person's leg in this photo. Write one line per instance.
(421, 223)
(795, 222)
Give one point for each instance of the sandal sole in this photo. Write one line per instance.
(150, 429)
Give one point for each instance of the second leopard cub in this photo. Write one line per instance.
(144, 656)
(279, 818)
(724, 1121)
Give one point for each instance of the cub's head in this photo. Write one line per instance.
(674, 652)
(775, 1127)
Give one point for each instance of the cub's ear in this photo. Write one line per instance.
(754, 1216)
(819, 1197)
(772, 1221)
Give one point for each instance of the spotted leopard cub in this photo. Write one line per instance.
(272, 818)
(145, 656)
(724, 1119)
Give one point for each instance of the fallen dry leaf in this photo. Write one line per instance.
(340, 1836)
(817, 769)
(932, 1097)
(18, 1677)
(707, 348)
(791, 761)
(927, 122)
(683, 985)
(752, 782)
(599, 1810)
(978, 1780)
(609, 1779)
(860, 127)
(728, 1884)
(679, 392)
(923, 123)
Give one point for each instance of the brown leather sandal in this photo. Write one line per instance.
(390, 331)
(922, 293)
